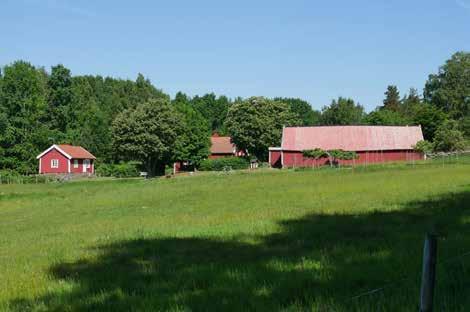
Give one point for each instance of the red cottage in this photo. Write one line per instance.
(373, 144)
(64, 159)
(222, 146)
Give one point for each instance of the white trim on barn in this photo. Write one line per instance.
(57, 148)
(40, 160)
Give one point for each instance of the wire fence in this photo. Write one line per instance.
(451, 283)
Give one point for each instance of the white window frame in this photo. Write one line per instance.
(75, 163)
(54, 163)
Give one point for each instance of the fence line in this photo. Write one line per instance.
(397, 282)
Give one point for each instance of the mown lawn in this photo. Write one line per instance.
(266, 241)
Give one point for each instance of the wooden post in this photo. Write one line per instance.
(429, 273)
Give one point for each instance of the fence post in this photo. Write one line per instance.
(429, 273)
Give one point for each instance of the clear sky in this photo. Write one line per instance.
(316, 50)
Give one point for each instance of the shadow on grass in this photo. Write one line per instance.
(317, 262)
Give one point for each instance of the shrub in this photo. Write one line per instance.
(449, 138)
(121, 170)
(9, 176)
(424, 147)
(219, 164)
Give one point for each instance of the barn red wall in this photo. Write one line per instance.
(296, 159)
(80, 167)
(275, 159)
(46, 162)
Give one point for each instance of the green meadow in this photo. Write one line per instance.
(248, 241)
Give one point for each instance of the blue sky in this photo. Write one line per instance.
(316, 50)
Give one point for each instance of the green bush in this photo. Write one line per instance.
(13, 177)
(121, 170)
(224, 163)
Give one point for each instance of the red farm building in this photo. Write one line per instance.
(222, 146)
(373, 144)
(65, 159)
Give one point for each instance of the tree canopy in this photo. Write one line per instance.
(342, 111)
(303, 110)
(392, 99)
(256, 124)
(449, 89)
(148, 133)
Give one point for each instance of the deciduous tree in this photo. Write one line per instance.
(256, 124)
(342, 112)
(148, 133)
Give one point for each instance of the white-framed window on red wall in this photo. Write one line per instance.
(75, 163)
(54, 163)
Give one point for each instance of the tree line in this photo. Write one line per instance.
(131, 120)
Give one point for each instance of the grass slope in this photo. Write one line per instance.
(273, 240)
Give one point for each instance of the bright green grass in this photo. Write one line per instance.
(266, 241)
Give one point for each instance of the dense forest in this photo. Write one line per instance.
(123, 120)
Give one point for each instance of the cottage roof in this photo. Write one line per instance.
(70, 151)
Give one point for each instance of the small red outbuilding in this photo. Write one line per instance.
(222, 146)
(373, 144)
(64, 159)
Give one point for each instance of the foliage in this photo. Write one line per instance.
(194, 140)
(409, 102)
(449, 138)
(386, 117)
(256, 124)
(392, 99)
(120, 170)
(424, 147)
(342, 112)
(213, 109)
(449, 89)
(303, 110)
(22, 106)
(464, 126)
(430, 118)
(339, 154)
(316, 153)
(224, 163)
(148, 133)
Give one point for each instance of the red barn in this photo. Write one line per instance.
(373, 144)
(63, 159)
(222, 146)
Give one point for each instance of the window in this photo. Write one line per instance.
(54, 163)
(75, 163)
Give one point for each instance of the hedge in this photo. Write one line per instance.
(121, 170)
(224, 163)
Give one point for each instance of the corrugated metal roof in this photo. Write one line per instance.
(222, 145)
(351, 138)
(76, 151)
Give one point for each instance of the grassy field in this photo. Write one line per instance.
(265, 241)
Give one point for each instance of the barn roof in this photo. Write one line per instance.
(70, 151)
(351, 138)
(222, 145)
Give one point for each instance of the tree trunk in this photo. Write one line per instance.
(160, 169)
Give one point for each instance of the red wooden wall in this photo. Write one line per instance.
(45, 162)
(296, 159)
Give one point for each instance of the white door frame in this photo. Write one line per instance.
(85, 165)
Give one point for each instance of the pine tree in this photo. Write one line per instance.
(392, 99)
